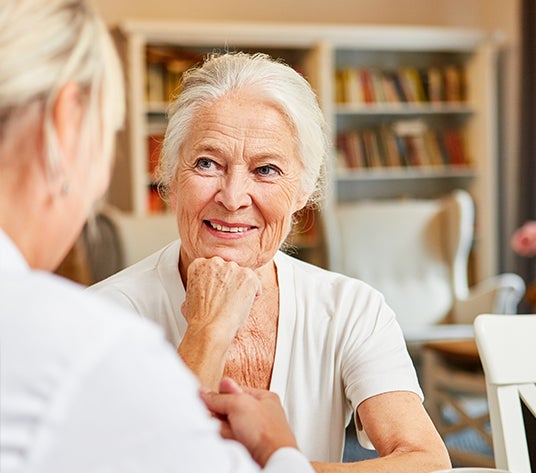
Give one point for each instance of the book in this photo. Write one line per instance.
(411, 135)
(351, 148)
(455, 148)
(372, 150)
(417, 152)
(340, 96)
(352, 87)
(414, 81)
(435, 84)
(405, 86)
(367, 86)
(402, 149)
(377, 85)
(433, 149)
(391, 151)
(357, 153)
(454, 84)
(390, 91)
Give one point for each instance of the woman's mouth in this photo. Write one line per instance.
(226, 228)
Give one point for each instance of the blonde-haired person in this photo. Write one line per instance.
(245, 150)
(86, 386)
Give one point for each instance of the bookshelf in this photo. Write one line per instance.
(453, 73)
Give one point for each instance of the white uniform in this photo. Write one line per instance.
(86, 386)
(338, 343)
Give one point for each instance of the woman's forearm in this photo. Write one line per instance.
(416, 462)
(205, 357)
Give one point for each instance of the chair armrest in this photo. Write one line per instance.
(499, 295)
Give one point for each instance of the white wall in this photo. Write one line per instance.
(482, 14)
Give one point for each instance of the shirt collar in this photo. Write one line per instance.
(10, 256)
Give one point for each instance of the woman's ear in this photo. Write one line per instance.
(67, 115)
(301, 201)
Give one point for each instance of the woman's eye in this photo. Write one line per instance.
(204, 163)
(268, 170)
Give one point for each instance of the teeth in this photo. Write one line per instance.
(223, 228)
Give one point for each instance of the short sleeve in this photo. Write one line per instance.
(379, 362)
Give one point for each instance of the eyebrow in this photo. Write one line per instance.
(213, 148)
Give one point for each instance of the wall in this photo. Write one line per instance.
(506, 15)
(482, 14)
(452, 12)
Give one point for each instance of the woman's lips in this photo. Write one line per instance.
(228, 228)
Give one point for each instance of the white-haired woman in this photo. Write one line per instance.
(245, 149)
(84, 385)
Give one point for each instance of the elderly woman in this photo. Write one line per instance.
(245, 150)
(86, 386)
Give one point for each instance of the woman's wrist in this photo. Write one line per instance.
(205, 356)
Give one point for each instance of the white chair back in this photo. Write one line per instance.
(415, 251)
(507, 348)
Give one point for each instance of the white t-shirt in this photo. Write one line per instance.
(338, 343)
(86, 386)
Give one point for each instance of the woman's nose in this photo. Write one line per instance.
(234, 192)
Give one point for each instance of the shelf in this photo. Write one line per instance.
(424, 172)
(404, 109)
(425, 182)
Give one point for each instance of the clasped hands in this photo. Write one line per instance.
(253, 417)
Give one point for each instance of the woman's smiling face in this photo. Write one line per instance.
(238, 182)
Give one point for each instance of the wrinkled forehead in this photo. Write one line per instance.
(242, 118)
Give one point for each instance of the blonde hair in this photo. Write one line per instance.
(45, 44)
(269, 79)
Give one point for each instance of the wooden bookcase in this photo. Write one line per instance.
(321, 52)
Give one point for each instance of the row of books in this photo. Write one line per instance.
(363, 85)
(164, 69)
(401, 145)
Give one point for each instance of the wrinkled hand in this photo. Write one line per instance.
(523, 240)
(219, 296)
(254, 417)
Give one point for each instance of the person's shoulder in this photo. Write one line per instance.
(90, 306)
(59, 306)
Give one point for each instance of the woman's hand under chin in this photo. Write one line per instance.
(219, 297)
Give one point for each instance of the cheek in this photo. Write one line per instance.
(190, 198)
(277, 209)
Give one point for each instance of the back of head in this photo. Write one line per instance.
(45, 44)
(268, 79)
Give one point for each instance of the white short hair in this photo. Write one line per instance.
(271, 80)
